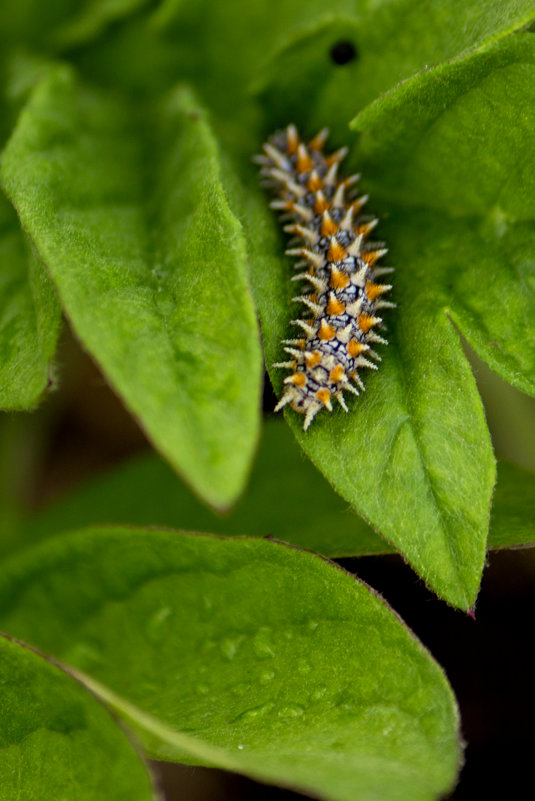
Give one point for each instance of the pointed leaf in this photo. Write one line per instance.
(259, 658)
(413, 456)
(56, 740)
(132, 222)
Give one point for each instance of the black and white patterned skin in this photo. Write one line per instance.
(337, 266)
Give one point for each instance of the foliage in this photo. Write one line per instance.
(131, 205)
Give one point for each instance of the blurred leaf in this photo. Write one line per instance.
(294, 670)
(57, 741)
(509, 412)
(29, 318)
(132, 222)
(281, 51)
(460, 140)
(285, 47)
(59, 23)
(392, 41)
(91, 18)
(286, 498)
(31, 20)
(512, 520)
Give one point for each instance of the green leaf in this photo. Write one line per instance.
(86, 23)
(61, 23)
(57, 741)
(415, 460)
(393, 40)
(286, 50)
(293, 670)
(512, 519)
(286, 498)
(29, 318)
(131, 219)
(432, 154)
(413, 457)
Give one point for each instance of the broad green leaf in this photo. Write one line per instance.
(29, 318)
(422, 146)
(512, 519)
(133, 224)
(57, 741)
(293, 670)
(393, 40)
(229, 49)
(286, 498)
(285, 47)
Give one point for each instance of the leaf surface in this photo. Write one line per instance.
(61, 23)
(413, 456)
(57, 741)
(460, 142)
(132, 222)
(312, 682)
(29, 318)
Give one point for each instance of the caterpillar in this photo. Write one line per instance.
(337, 265)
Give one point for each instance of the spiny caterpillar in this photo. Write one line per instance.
(336, 263)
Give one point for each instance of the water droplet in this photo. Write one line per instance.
(303, 666)
(312, 625)
(267, 676)
(155, 628)
(229, 646)
(84, 654)
(291, 711)
(241, 689)
(241, 747)
(318, 693)
(262, 644)
(254, 713)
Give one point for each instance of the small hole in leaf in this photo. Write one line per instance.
(343, 52)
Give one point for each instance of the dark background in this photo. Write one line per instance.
(83, 429)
